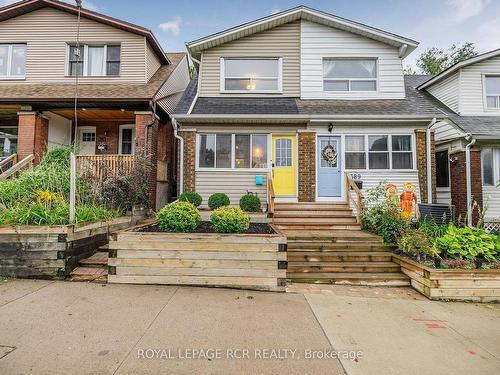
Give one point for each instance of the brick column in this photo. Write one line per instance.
(189, 159)
(421, 151)
(33, 130)
(146, 141)
(459, 183)
(307, 166)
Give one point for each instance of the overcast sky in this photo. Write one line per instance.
(434, 23)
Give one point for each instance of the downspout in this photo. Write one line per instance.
(468, 177)
(181, 159)
(429, 160)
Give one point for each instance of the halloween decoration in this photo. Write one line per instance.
(408, 200)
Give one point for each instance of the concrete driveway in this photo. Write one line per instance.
(80, 328)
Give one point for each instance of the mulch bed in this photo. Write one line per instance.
(206, 227)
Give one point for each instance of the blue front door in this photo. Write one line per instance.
(329, 167)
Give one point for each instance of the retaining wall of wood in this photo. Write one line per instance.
(52, 251)
(452, 284)
(220, 260)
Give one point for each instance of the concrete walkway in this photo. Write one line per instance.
(80, 328)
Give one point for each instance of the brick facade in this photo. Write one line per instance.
(459, 183)
(421, 152)
(33, 135)
(307, 166)
(189, 160)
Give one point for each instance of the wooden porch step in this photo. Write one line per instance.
(312, 206)
(313, 214)
(95, 274)
(329, 235)
(98, 259)
(373, 279)
(340, 256)
(337, 246)
(339, 267)
(103, 248)
(313, 227)
(315, 220)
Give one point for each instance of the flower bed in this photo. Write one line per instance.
(249, 261)
(480, 285)
(52, 251)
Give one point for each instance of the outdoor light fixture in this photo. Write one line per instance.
(330, 127)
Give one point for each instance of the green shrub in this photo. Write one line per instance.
(416, 243)
(467, 243)
(191, 197)
(382, 217)
(229, 220)
(217, 200)
(59, 156)
(433, 229)
(250, 203)
(178, 217)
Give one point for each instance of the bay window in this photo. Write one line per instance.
(237, 151)
(251, 75)
(12, 61)
(379, 151)
(349, 74)
(492, 91)
(94, 60)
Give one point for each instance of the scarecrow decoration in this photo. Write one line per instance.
(408, 198)
(391, 194)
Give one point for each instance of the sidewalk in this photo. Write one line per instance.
(80, 328)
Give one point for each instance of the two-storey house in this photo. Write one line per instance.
(305, 98)
(468, 143)
(70, 75)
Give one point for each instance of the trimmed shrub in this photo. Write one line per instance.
(178, 217)
(217, 200)
(191, 197)
(229, 220)
(250, 203)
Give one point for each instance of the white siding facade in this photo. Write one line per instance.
(447, 91)
(444, 131)
(319, 41)
(491, 200)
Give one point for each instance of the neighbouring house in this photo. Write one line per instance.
(468, 142)
(127, 86)
(305, 98)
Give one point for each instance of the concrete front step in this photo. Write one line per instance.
(340, 256)
(339, 267)
(369, 279)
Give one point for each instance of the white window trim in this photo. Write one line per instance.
(86, 56)
(120, 136)
(376, 79)
(222, 80)
(495, 165)
(233, 154)
(389, 150)
(10, 77)
(485, 95)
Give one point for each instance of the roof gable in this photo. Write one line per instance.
(405, 45)
(27, 6)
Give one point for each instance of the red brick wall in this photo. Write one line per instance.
(189, 160)
(33, 135)
(307, 166)
(421, 151)
(109, 134)
(459, 184)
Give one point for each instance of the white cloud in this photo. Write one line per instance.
(464, 9)
(173, 26)
(488, 33)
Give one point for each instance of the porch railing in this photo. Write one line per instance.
(7, 163)
(355, 196)
(102, 165)
(17, 166)
(270, 194)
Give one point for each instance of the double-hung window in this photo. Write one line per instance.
(232, 151)
(349, 74)
(492, 84)
(94, 60)
(12, 61)
(490, 163)
(250, 75)
(378, 151)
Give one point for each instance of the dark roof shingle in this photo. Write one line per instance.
(479, 125)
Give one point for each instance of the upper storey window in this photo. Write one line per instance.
(347, 74)
(12, 61)
(251, 75)
(94, 60)
(492, 91)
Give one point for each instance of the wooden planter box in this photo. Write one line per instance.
(245, 261)
(52, 251)
(451, 284)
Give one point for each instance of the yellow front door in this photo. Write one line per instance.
(284, 165)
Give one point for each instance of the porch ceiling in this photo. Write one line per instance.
(9, 112)
(96, 115)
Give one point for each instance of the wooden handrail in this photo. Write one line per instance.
(27, 161)
(101, 165)
(11, 160)
(357, 201)
(270, 194)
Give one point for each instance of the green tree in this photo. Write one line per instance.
(435, 60)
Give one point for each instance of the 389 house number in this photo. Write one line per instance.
(356, 176)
